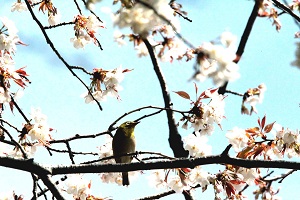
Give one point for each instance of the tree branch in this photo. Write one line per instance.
(221, 159)
(57, 53)
(286, 9)
(244, 40)
(175, 141)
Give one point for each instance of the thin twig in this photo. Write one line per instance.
(111, 127)
(19, 109)
(15, 142)
(77, 6)
(57, 53)
(81, 68)
(286, 9)
(73, 152)
(235, 93)
(77, 136)
(244, 40)
(58, 25)
(168, 22)
(158, 196)
(71, 155)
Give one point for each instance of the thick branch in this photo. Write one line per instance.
(244, 40)
(177, 163)
(175, 141)
(29, 166)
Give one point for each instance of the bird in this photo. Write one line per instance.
(124, 143)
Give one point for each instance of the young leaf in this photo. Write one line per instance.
(196, 88)
(263, 121)
(269, 127)
(183, 94)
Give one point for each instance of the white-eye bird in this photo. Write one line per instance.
(124, 143)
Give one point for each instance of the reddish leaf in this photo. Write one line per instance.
(11, 105)
(196, 88)
(244, 153)
(183, 94)
(269, 127)
(237, 182)
(263, 121)
(252, 130)
(229, 189)
(22, 71)
(127, 70)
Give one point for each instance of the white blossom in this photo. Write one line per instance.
(157, 179)
(77, 186)
(199, 176)
(142, 19)
(20, 7)
(219, 63)
(118, 37)
(249, 175)
(197, 145)
(40, 129)
(237, 138)
(176, 184)
(53, 19)
(10, 25)
(80, 41)
(141, 50)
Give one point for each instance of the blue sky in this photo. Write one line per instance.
(267, 59)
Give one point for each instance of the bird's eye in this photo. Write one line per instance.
(127, 123)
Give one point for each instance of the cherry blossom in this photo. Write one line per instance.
(216, 61)
(199, 176)
(143, 19)
(78, 187)
(237, 138)
(197, 145)
(157, 179)
(20, 7)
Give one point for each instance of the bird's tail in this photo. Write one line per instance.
(125, 179)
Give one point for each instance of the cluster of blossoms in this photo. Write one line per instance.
(85, 29)
(106, 151)
(202, 118)
(39, 133)
(143, 16)
(79, 188)
(203, 115)
(39, 130)
(169, 49)
(253, 96)
(111, 81)
(232, 181)
(284, 141)
(184, 179)
(266, 9)
(147, 19)
(217, 61)
(227, 182)
(8, 41)
(45, 5)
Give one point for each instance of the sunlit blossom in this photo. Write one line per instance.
(237, 138)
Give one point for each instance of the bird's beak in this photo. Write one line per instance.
(134, 123)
